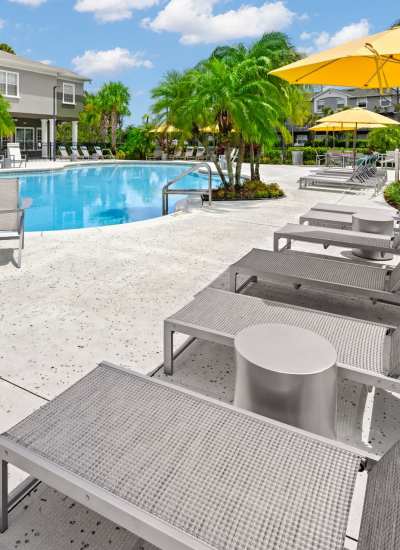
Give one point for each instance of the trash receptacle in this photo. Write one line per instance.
(297, 158)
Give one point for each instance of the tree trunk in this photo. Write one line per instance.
(220, 172)
(252, 173)
(239, 162)
(257, 165)
(114, 124)
(229, 164)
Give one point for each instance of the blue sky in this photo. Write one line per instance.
(137, 41)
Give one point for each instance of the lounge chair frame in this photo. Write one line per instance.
(315, 452)
(253, 270)
(248, 310)
(382, 244)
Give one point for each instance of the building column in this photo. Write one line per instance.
(45, 138)
(52, 138)
(74, 132)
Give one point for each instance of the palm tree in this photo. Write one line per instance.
(7, 126)
(113, 99)
(7, 48)
(239, 98)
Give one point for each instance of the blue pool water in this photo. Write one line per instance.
(91, 196)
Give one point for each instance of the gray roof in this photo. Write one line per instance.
(12, 61)
(359, 92)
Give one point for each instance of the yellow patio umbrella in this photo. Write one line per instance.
(360, 118)
(342, 127)
(369, 62)
(164, 129)
(210, 129)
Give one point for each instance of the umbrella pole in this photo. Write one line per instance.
(354, 147)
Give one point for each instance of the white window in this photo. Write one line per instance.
(340, 104)
(362, 102)
(9, 84)
(68, 93)
(386, 101)
(320, 104)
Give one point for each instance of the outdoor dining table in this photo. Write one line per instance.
(372, 222)
(289, 374)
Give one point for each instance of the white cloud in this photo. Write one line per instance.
(112, 10)
(305, 36)
(197, 22)
(93, 62)
(345, 34)
(32, 3)
(46, 61)
(2, 23)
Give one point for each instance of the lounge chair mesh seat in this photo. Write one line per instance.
(361, 344)
(228, 479)
(308, 267)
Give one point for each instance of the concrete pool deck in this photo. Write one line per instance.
(92, 294)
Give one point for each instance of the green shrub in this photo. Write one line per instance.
(120, 155)
(139, 143)
(249, 190)
(392, 194)
(384, 139)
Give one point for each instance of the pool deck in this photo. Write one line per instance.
(102, 293)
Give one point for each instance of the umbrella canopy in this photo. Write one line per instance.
(326, 127)
(210, 129)
(369, 62)
(164, 129)
(360, 117)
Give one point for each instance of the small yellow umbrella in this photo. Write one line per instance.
(164, 129)
(360, 118)
(344, 127)
(210, 129)
(369, 62)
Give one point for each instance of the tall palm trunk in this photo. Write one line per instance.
(239, 162)
(220, 172)
(257, 164)
(114, 124)
(252, 171)
(229, 166)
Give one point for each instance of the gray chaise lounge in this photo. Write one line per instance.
(331, 274)
(382, 244)
(368, 352)
(352, 209)
(187, 472)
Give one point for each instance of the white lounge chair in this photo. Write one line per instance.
(156, 154)
(382, 244)
(201, 153)
(102, 154)
(361, 178)
(189, 153)
(64, 155)
(14, 154)
(186, 472)
(368, 352)
(333, 275)
(177, 153)
(85, 152)
(75, 154)
(12, 214)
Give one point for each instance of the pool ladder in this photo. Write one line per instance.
(195, 168)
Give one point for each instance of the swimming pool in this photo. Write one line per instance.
(92, 196)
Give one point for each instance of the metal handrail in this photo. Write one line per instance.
(195, 168)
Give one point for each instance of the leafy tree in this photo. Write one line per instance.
(7, 126)
(384, 139)
(7, 48)
(113, 102)
(138, 143)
